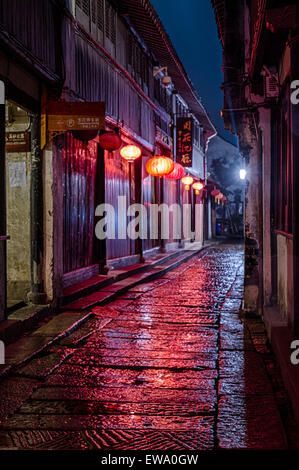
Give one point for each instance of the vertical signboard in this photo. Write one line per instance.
(184, 151)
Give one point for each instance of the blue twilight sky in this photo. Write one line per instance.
(192, 29)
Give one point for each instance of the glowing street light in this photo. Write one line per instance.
(242, 174)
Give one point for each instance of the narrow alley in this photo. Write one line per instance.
(149, 229)
(170, 365)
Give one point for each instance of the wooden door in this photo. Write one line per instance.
(79, 174)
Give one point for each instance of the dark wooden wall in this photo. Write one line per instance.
(34, 27)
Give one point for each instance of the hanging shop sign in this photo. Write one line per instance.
(184, 140)
(62, 116)
(17, 142)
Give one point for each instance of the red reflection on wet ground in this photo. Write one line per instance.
(174, 367)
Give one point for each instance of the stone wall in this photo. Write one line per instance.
(18, 227)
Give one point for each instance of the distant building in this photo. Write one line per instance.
(224, 164)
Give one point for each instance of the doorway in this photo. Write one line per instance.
(17, 171)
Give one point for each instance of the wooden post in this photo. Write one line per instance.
(100, 252)
(3, 237)
(37, 294)
(162, 240)
(295, 164)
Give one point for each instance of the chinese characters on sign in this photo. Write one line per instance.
(17, 142)
(72, 116)
(184, 141)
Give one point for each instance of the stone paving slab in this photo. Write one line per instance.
(250, 422)
(13, 392)
(131, 394)
(201, 424)
(42, 367)
(206, 404)
(194, 363)
(105, 377)
(29, 346)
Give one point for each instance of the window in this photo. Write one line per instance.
(137, 62)
(97, 17)
(110, 20)
(84, 5)
(100, 14)
(196, 135)
(282, 138)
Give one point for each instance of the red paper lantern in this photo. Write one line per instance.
(187, 181)
(159, 166)
(198, 186)
(110, 141)
(130, 153)
(215, 192)
(177, 173)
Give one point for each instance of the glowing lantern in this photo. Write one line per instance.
(177, 173)
(130, 153)
(219, 197)
(187, 181)
(215, 192)
(197, 187)
(110, 141)
(159, 166)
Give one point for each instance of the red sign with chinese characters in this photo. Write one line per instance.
(184, 145)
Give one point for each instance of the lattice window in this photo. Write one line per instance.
(100, 14)
(85, 7)
(110, 18)
(93, 11)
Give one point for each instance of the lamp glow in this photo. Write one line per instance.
(187, 181)
(130, 153)
(198, 186)
(242, 174)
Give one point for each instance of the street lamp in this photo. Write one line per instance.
(242, 174)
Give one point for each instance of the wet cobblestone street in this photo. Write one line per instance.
(170, 365)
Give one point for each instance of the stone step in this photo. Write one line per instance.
(96, 283)
(110, 293)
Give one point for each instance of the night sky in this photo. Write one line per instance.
(192, 29)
